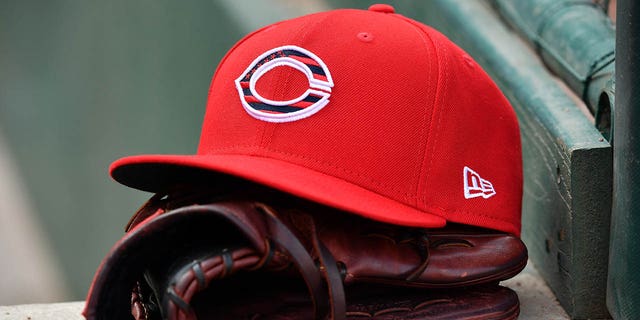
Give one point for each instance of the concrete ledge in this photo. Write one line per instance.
(536, 299)
(536, 302)
(51, 311)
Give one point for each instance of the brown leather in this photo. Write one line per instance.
(449, 257)
(282, 301)
(368, 252)
(285, 240)
(456, 255)
(274, 248)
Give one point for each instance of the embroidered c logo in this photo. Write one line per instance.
(307, 104)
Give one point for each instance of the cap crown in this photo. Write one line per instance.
(407, 113)
(369, 112)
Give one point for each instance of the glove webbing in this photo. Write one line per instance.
(197, 276)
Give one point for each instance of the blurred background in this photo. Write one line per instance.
(83, 83)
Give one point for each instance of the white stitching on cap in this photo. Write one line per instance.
(475, 186)
(318, 87)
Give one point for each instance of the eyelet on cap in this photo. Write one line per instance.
(365, 36)
(382, 8)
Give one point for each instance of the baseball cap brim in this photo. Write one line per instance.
(155, 173)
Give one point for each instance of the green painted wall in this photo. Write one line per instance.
(85, 82)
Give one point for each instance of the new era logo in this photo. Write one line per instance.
(475, 186)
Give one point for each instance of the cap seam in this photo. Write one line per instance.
(435, 125)
(228, 54)
(432, 135)
(303, 37)
(224, 59)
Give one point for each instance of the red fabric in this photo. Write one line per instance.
(407, 112)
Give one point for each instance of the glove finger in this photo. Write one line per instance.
(176, 281)
(266, 299)
(160, 242)
(452, 256)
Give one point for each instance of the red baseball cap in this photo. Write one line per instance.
(366, 111)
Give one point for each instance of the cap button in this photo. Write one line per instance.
(382, 8)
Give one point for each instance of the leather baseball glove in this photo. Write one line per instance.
(195, 255)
